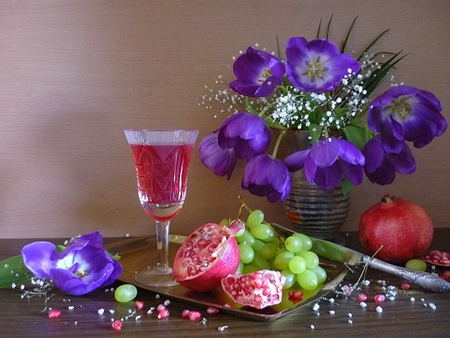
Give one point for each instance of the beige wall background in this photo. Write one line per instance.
(74, 74)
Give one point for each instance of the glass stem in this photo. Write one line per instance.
(162, 244)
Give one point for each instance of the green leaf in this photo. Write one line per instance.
(12, 270)
(372, 43)
(329, 27)
(344, 43)
(346, 187)
(357, 135)
(315, 131)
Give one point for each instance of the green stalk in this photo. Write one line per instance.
(277, 143)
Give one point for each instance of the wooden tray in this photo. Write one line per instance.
(138, 254)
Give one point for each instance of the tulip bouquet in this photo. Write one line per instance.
(76, 269)
(319, 88)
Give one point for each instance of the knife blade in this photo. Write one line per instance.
(351, 257)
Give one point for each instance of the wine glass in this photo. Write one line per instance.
(161, 159)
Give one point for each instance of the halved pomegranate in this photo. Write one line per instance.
(437, 257)
(257, 289)
(209, 254)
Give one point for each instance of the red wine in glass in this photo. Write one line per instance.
(161, 159)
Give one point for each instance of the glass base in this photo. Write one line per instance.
(156, 277)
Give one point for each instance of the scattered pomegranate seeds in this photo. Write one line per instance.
(195, 315)
(212, 310)
(139, 305)
(117, 325)
(163, 313)
(185, 314)
(54, 313)
(295, 296)
(379, 298)
(405, 286)
(362, 297)
(446, 275)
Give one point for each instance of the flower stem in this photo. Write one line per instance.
(277, 143)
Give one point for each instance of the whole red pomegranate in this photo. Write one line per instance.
(209, 254)
(402, 227)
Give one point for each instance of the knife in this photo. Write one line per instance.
(342, 254)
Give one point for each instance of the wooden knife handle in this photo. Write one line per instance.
(426, 280)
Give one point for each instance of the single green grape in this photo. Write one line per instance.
(225, 221)
(291, 278)
(258, 246)
(246, 237)
(240, 269)
(307, 280)
(297, 264)
(320, 273)
(254, 218)
(260, 262)
(268, 250)
(293, 244)
(125, 293)
(307, 242)
(282, 260)
(262, 231)
(416, 264)
(248, 268)
(247, 253)
(240, 232)
(311, 259)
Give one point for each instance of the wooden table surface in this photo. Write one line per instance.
(427, 316)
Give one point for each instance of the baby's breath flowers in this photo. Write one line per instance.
(320, 89)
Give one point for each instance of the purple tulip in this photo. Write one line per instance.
(247, 134)
(317, 66)
(258, 73)
(381, 164)
(80, 268)
(327, 161)
(267, 176)
(406, 114)
(221, 161)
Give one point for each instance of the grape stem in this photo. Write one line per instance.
(365, 268)
(249, 210)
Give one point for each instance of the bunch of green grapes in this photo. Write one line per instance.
(261, 249)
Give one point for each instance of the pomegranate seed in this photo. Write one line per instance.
(117, 325)
(54, 313)
(295, 296)
(212, 310)
(139, 305)
(446, 275)
(164, 313)
(160, 307)
(379, 298)
(185, 313)
(362, 297)
(195, 315)
(405, 286)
